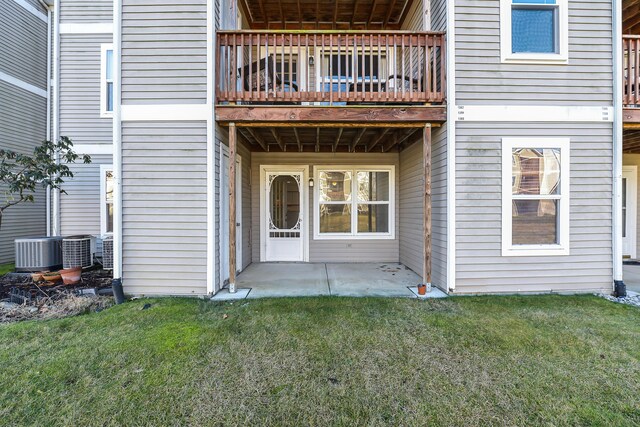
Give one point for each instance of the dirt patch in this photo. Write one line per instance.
(23, 299)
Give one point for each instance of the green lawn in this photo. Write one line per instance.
(539, 360)
(6, 268)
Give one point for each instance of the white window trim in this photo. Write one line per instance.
(103, 200)
(508, 249)
(391, 235)
(562, 57)
(103, 80)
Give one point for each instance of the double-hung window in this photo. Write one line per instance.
(534, 30)
(106, 200)
(354, 202)
(106, 81)
(535, 196)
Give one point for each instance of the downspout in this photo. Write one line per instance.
(117, 152)
(48, 131)
(211, 149)
(451, 145)
(619, 287)
(55, 229)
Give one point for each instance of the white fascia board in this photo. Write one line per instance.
(533, 113)
(29, 8)
(23, 85)
(166, 112)
(86, 28)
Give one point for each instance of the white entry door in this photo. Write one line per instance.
(629, 210)
(224, 214)
(283, 215)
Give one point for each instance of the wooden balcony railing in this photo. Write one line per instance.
(631, 70)
(330, 67)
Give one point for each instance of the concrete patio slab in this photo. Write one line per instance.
(284, 280)
(631, 277)
(435, 293)
(225, 295)
(371, 279)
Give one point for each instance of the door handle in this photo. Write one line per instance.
(237, 224)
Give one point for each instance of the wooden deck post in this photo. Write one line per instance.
(232, 206)
(426, 215)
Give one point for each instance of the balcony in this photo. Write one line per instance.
(330, 68)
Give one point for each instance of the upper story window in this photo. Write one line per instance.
(106, 81)
(535, 196)
(534, 30)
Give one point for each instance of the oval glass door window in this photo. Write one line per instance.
(285, 202)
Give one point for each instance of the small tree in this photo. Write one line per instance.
(22, 174)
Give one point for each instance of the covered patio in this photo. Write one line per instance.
(266, 280)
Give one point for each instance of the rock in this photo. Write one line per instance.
(633, 300)
(8, 305)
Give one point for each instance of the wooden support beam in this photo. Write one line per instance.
(317, 140)
(278, 139)
(295, 132)
(403, 138)
(393, 142)
(337, 141)
(353, 15)
(232, 207)
(335, 13)
(297, 116)
(389, 12)
(258, 138)
(373, 8)
(426, 215)
(631, 116)
(265, 17)
(377, 139)
(356, 140)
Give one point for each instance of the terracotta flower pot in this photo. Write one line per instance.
(37, 277)
(422, 289)
(71, 276)
(52, 277)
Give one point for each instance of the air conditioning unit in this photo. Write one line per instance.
(38, 254)
(77, 251)
(107, 253)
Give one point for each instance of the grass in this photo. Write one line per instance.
(537, 360)
(6, 268)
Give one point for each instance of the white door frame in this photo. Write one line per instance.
(631, 174)
(304, 190)
(224, 151)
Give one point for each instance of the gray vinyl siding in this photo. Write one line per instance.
(164, 52)
(37, 5)
(479, 264)
(438, 15)
(482, 79)
(634, 160)
(79, 99)
(414, 19)
(80, 207)
(327, 250)
(411, 210)
(164, 191)
(23, 117)
(86, 11)
(23, 44)
(22, 127)
(245, 153)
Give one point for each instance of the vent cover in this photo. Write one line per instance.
(77, 251)
(107, 253)
(38, 254)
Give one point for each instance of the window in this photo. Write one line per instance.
(106, 81)
(287, 69)
(354, 202)
(106, 199)
(535, 196)
(534, 30)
